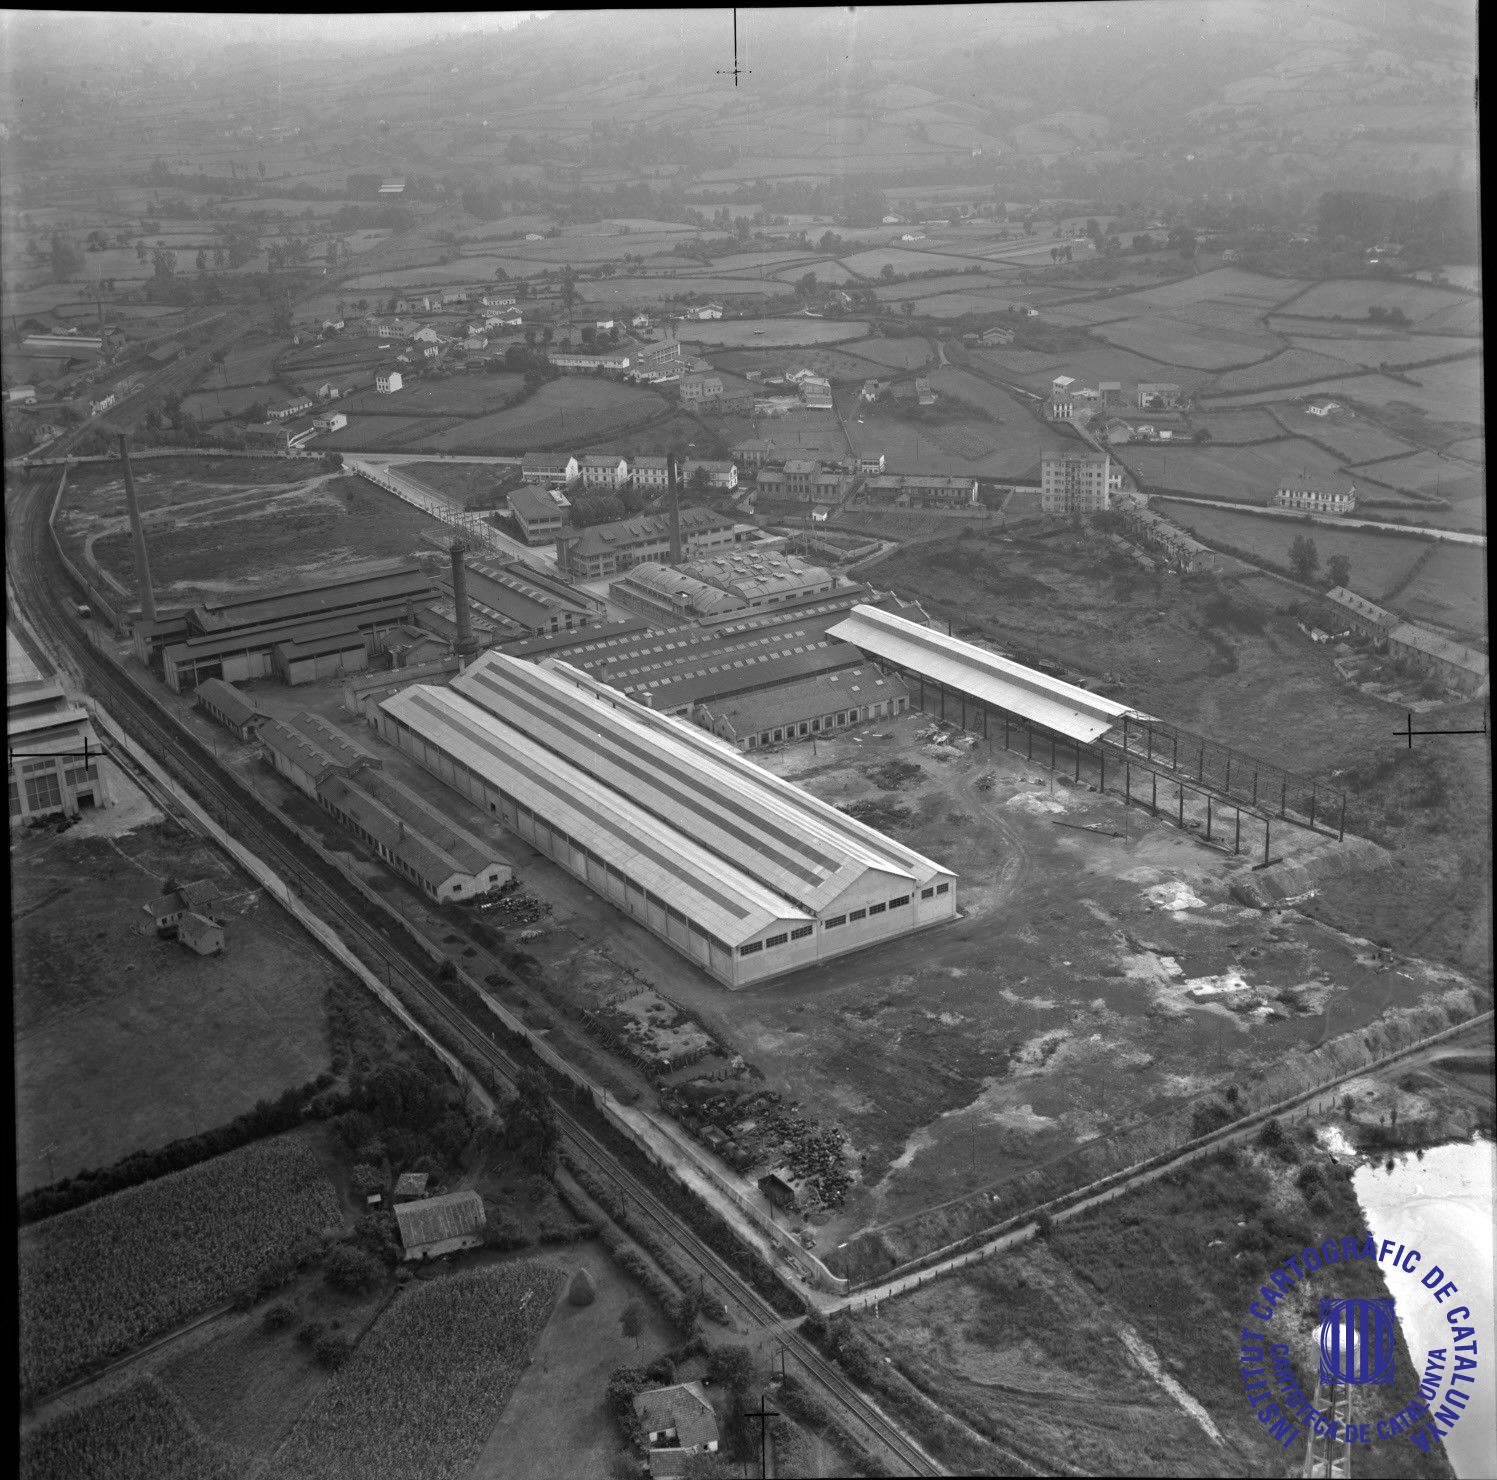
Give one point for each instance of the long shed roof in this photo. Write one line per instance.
(434, 1219)
(1060, 706)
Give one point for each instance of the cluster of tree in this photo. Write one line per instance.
(1304, 561)
(1443, 227)
(363, 186)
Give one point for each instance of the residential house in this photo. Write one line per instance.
(604, 470)
(476, 341)
(676, 1421)
(1367, 617)
(816, 392)
(387, 382)
(870, 465)
(640, 321)
(426, 335)
(707, 311)
(928, 490)
(541, 513)
(998, 336)
(549, 467)
(1322, 408)
(770, 482)
(700, 387)
(753, 452)
(201, 934)
(498, 300)
(1110, 392)
(1155, 395)
(330, 421)
(924, 395)
(830, 485)
(651, 474)
(800, 478)
(719, 474)
(1456, 667)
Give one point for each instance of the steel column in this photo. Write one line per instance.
(1208, 816)
(1154, 792)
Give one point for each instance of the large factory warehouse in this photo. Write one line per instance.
(745, 874)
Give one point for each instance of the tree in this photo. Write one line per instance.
(732, 1365)
(353, 1270)
(1338, 570)
(1304, 559)
(333, 1350)
(66, 258)
(202, 260)
(907, 308)
(632, 1321)
(533, 1122)
(1201, 434)
(365, 1179)
(277, 1317)
(887, 272)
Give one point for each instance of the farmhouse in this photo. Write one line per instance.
(1072, 482)
(676, 1421)
(540, 513)
(1460, 668)
(549, 467)
(226, 704)
(606, 549)
(387, 382)
(434, 1226)
(201, 934)
(1322, 408)
(1295, 493)
(1154, 395)
(743, 873)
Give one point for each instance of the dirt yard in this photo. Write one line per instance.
(125, 1042)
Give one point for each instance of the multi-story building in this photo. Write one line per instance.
(719, 474)
(668, 595)
(800, 478)
(1295, 493)
(607, 549)
(386, 382)
(541, 513)
(932, 490)
(1075, 482)
(53, 752)
(650, 474)
(659, 358)
(816, 392)
(563, 360)
(701, 386)
(761, 580)
(549, 467)
(1153, 395)
(1061, 403)
(329, 421)
(1460, 668)
(604, 470)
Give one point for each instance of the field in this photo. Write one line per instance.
(381, 432)
(1250, 474)
(424, 1388)
(138, 1432)
(1292, 367)
(103, 1278)
(1378, 562)
(217, 403)
(1174, 342)
(769, 333)
(1377, 347)
(897, 354)
(1428, 472)
(667, 290)
(453, 480)
(573, 408)
(124, 1043)
(901, 258)
(1358, 441)
(1451, 590)
(249, 535)
(1021, 440)
(459, 395)
(1352, 298)
(1232, 428)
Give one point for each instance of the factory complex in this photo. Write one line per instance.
(744, 873)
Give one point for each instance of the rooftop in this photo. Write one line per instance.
(229, 701)
(683, 1408)
(1000, 682)
(1424, 641)
(530, 502)
(643, 529)
(823, 693)
(304, 601)
(434, 1219)
(313, 745)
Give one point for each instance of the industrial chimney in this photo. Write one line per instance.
(466, 645)
(673, 475)
(142, 566)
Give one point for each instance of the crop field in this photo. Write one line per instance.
(1000, 300)
(477, 269)
(1377, 348)
(1352, 298)
(425, 1386)
(909, 258)
(1249, 474)
(918, 288)
(137, 1432)
(214, 404)
(1426, 472)
(1177, 343)
(99, 1280)
(1292, 367)
(1450, 590)
(947, 380)
(381, 431)
(770, 333)
(1378, 561)
(823, 271)
(460, 395)
(580, 407)
(1232, 427)
(1458, 318)
(1357, 441)
(897, 354)
(1226, 285)
(1021, 441)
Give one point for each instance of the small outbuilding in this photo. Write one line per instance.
(410, 1186)
(201, 934)
(435, 1226)
(228, 705)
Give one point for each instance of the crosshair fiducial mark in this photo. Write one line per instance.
(1408, 731)
(736, 71)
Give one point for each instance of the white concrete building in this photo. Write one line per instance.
(387, 382)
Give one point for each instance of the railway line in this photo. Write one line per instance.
(41, 585)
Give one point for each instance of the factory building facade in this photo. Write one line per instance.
(53, 755)
(741, 872)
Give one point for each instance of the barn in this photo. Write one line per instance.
(434, 1226)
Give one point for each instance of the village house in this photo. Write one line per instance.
(434, 1226)
(1367, 617)
(700, 387)
(1154, 395)
(719, 474)
(604, 470)
(549, 467)
(676, 1421)
(1456, 667)
(800, 478)
(201, 934)
(651, 474)
(329, 421)
(387, 382)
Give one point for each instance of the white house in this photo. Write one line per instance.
(387, 381)
(1322, 408)
(329, 421)
(678, 1420)
(708, 311)
(603, 470)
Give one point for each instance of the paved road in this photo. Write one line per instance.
(1329, 521)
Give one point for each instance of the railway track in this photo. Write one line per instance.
(41, 584)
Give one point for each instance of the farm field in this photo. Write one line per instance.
(216, 404)
(923, 287)
(423, 1389)
(1378, 561)
(1357, 441)
(572, 407)
(138, 1432)
(253, 364)
(1176, 342)
(1353, 297)
(379, 431)
(909, 258)
(897, 354)
(947, 380)
(1427, 472)
(672, 289)
(1021, 441)
(1372, 350)
(1235, 427)
(770, 333)
(1091, 362)
(1291, 368)
(1249, 474)
(458, 395)
(163, 1040)
(1000, 300)
(1450, 590)
(825, 271)
(102, 1278)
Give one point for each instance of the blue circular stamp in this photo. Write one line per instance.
(1357, 1339)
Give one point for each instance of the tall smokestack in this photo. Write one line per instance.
(673, 475)
(466, 646)
(142, 565)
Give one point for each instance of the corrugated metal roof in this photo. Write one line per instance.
(434, 1219)
(311, 601)
(1004, 684)
(707, 889)
(807, 698)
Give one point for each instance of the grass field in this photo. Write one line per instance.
(459, 395)
(1353, 297)
(99, 1280)
(1229, 427)
(770, 333)
(454, 480)
(1377, 347)
(1378, 561)
(1450, 589)
(1357, 441)
(668, 290)
(126, 1043)
(1428, 472)
(1021, 438)
(1174, 342)
(897, 354)
(426, 1385)
(1250, 474)
(572, 407)
(1292, 367)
